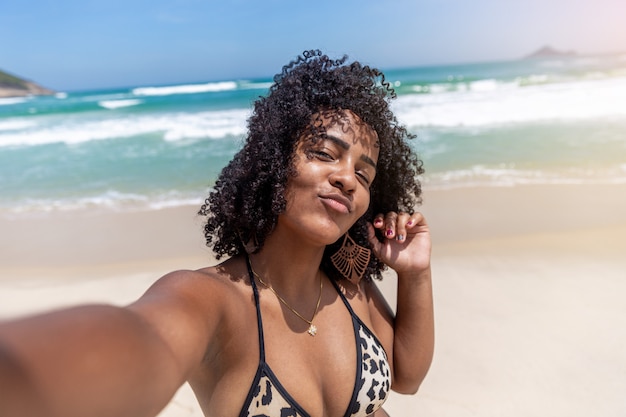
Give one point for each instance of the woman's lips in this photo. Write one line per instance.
(337, 203)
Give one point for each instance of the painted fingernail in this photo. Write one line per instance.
(400, 237)
(389, 232)
(409, 223)
(378, 222)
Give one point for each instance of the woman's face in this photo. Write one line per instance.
(331, 190)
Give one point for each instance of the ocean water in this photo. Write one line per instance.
(500, 124)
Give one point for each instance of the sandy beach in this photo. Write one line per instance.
(529, 284)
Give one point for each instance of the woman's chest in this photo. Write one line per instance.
(267, 361)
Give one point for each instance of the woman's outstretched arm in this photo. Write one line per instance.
(101, 360)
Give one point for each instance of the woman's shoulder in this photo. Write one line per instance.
(196, 302)
(213, 283)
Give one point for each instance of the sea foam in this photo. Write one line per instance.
(15, 124)
(172, 127)
(185, 89)
(116, 104)
(12, 100)
(509, 176)
(486, 104)
(109, 200)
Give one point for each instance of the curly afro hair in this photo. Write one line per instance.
(249, 195)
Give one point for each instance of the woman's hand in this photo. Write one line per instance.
(406, 245)
(406, 248)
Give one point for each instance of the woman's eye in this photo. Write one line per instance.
(323, 155)
(363, 177)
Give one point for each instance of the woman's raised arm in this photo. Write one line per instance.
(406, 249)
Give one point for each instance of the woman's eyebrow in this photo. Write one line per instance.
(345, 145)
(368, 160)
(339, 142)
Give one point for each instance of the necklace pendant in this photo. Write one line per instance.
(312, 330)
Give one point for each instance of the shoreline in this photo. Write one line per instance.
(126, 240)
(528, 284)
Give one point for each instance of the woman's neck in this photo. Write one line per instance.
(291, 269)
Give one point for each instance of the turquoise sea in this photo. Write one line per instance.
(499, 124)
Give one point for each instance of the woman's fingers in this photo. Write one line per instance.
(400, 226)
(406, 243)
(394, 225)
(390, 224)
(379, 221)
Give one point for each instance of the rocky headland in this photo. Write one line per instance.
(550, 52)
(13, 86)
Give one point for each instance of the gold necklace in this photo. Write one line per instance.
(312, 328)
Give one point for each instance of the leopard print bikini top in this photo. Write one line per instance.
(268, 398)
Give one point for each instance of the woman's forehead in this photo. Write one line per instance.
(348, 123)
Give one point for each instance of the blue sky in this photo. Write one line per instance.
(84, 44)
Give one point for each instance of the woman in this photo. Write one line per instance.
(319, 200)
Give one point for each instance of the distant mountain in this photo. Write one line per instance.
(12, 86)
(549, 52)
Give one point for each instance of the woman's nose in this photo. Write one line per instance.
(344, 178)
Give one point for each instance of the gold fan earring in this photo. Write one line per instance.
(351, 260)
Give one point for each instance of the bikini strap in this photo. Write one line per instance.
(258, 311)
(343, 297)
